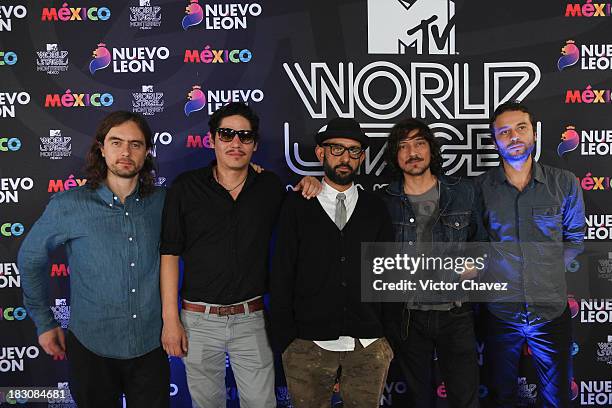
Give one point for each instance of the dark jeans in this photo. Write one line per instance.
(550, 348)
(99, 381)
(451, 333)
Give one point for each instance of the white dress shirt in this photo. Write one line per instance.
(327, 199)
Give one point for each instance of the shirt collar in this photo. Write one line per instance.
(110, 198)
(537, 173)
(331, 193)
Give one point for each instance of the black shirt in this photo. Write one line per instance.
(224, 243)
(533, 232)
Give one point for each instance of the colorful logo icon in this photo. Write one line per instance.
(575, 348)
(194, 15)
(574, 388)
(101, 59)
(573, 305)
(569, 55)
(569, 141)
(196, 100)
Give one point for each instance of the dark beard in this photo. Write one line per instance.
(337, 178)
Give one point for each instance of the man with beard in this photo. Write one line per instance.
(427, 208)
(534, 215)
(318, 319)
(110, 228)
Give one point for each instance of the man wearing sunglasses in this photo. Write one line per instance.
(219, 219)
(318, 319)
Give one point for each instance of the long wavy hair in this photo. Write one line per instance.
(400, 132)
(96, 168)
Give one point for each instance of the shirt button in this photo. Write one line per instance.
(412, 220)
(342, 259)
(132, 264)
(130, 238)
(410, 243)
(456, 224)
(133, 290)
(115, 198)
(343, 284)
(133, 316)
(138, 199)
(110, 205)
(127, 213)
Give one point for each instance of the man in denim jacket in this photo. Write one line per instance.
(428, 207)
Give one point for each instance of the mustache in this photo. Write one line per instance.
(235, 151)
(126, 161)
(346, 166)
(414, 160)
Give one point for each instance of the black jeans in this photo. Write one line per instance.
(97, 381)
(550, 349)
(451, 333)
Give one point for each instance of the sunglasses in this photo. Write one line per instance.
(245, 136)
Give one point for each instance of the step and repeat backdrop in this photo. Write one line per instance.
(65, 65)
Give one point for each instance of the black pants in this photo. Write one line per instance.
(452, 335)
(550, 349)
(99, 381)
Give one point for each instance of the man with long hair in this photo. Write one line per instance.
(427, 208)
(110, 228)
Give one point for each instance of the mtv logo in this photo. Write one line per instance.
(145, 3)
(60, 302)
(62, 385)
(55, 132)
(147, 88)
(427, 26)
(51, 47)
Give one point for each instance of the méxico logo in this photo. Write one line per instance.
(591, 56)
(127, 59)
(225, 16)
(411, 26)
(8, 58)
(588, 9)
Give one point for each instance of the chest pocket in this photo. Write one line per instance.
(548, 220)
(456, 225)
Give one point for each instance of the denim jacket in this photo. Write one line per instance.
(460, 216)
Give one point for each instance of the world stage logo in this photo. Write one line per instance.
(145, 16)
(422, 90)
(196, 99)
(570, 54)
(9, 275)
(569, 141)
(194, 15)
(604, 351)
(10, 12)
(8, 58)
(101, 58)
(61, 312)
(147, 102)
(426, 26)
(55, 146)
(52, 61)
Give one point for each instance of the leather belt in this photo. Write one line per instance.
(253, 305)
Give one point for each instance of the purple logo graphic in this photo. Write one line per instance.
(569, 55)
(574, 388)
(194, 16)
(196, 101)
(101, 58)
(569, 141)
(575, 348)
(573, 305)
